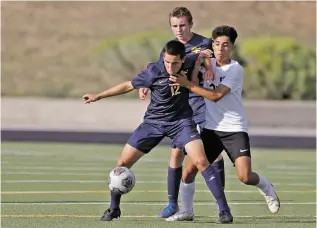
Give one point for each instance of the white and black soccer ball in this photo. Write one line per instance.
(121, 180)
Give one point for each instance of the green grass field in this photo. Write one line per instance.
(64, 185)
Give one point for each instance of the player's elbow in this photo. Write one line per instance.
(129, 86)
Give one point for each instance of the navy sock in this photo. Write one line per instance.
(220, 169)
(173, 181)
(115, 199)
(214, 185)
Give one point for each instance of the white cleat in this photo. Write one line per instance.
(181, 216)
(272, 200)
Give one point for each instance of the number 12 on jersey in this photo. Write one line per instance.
(175, 90)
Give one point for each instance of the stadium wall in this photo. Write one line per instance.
(272, 124)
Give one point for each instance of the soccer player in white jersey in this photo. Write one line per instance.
(226, 123)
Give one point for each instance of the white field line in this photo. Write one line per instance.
(138, 182)
(86, 162)
(85, 168)
(143, 216)
(75, 161)
(103, 174)
(157, 170)
(147, 204)
(141, 191)
(288, 167)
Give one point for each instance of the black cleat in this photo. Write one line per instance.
(225, 217)
(110, 214)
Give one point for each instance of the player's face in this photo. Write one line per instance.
(181, 28)
(172, 63)
(222, 48)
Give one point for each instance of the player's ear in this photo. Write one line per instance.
(183, 60)
(191, 25)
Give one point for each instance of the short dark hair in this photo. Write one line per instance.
(225, 30)
(174, 47)
(180, 12)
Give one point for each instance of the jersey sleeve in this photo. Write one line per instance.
(234, 80)
(208, 43)
(145, 78)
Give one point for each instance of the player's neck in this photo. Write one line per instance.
(185, 40)
(223, 62)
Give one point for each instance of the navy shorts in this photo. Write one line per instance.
(149, 135)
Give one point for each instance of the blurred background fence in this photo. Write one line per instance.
(61, 50)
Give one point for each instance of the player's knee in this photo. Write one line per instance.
(219, 157)
(177, 159)
(188, 176)
(201, 164)
(121, 162)
(244, 178)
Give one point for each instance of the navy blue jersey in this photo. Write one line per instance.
(167, 103)
(193, 47)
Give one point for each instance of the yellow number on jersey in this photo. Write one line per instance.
(175, 90)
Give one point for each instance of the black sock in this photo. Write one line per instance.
(115, 199)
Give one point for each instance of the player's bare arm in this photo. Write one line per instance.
(213, 95)
(143, 92)
(194, 76)
(119, 89)
(204, 58)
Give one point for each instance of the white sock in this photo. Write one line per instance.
(187, 196)
(263, 183)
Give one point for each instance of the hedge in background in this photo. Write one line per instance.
(278, 68)
(275, 67)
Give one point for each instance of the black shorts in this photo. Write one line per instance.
(236, 144)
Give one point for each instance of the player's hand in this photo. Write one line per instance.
(87, 98)
(179, 80)
(143, 92)
(206, 53)
(208, 76)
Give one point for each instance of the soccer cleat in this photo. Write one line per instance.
(169, 210)
(272, 200)
(225, 217)
(110, 214)
(182, 216)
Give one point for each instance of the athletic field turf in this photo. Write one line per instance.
(65, 185)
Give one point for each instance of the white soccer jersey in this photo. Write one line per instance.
(228, 113)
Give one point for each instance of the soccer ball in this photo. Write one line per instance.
(121, 180)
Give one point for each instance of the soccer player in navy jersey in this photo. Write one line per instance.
(181, 22)
(168, 114)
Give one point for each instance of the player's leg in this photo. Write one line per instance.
(219, 166)
(238, 147)
(197, 154)
(189, 137)
(175, 174)
(187, 191)
(212, 147)
(173, 181)
(187, 188)
(142, 141)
